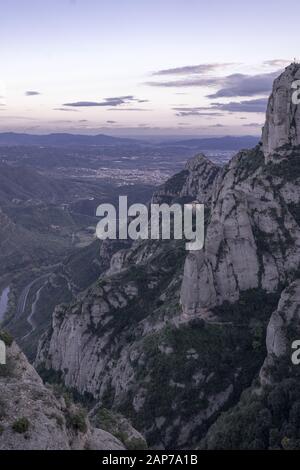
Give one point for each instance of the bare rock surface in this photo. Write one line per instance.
(33, 418)
(151, 338)
(283, 116)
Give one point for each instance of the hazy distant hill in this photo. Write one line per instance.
(12, 138)
(24, 183)
(220, 143)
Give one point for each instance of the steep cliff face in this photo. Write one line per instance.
(194, 182)
(253, 236)
(33, 418)
(171, 339)
(283, 329)
(267, 415)
(282, 126)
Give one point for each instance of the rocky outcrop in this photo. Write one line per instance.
(284, 321)
(282, 126)
(253, 236)
(170, 338)
(252, 239)
(195, 182)
(85, 334)
(33, 418)
(288, 311)
(266, 415)
(119, 426)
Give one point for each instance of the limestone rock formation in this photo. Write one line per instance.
(284, 320)
(253, 236)
(193, 183)
(33, 418)
(282, 126)
(170, 338)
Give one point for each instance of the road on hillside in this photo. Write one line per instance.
(21, 306)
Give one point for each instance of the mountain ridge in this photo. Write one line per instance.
(220, 143)
(199, 340)
(63, 139)
(188, 345)
(67, 139)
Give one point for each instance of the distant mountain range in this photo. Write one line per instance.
(64, 139)
(220, 143)
(60, 139)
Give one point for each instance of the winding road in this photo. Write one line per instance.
(30, 319)
(22, 302)
(24, 295)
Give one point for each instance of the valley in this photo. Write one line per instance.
(48, 201)
(146, 333)
(149, 231)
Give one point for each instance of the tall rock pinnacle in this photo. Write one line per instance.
(282, 125)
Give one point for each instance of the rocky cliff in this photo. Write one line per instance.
(253, 238)
(283, 116)
(267, 414)
(193, 183)
(33, 417)
(171, 339)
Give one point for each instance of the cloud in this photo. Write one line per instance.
(245, 85)
(277, 63)
(253, 124)
(196, 111)
(32, 93)
(185, 82)
(257, 105)
(61, 121)
(229, 86)
(217, 125)
(247, 106)
(107, 102)
(111, 122)
(66, 109)
(129, 109)
(31, 128)
(85, 104)
(23, 118)
(191, 69)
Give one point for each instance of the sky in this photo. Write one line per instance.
(129, 67)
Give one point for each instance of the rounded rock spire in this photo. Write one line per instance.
(282, 126)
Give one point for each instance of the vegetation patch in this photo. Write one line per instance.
(21, 425)
(76, 421)
(116, 425)
(6, 338)
(185, 366)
